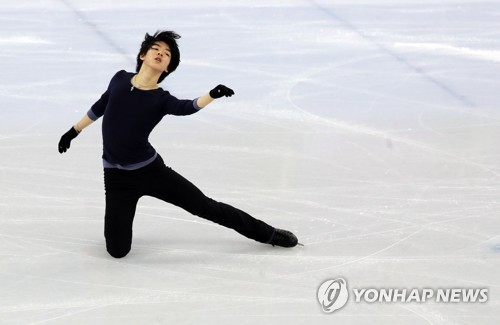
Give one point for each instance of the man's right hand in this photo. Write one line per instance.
(65, 141)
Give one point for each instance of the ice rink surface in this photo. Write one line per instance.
(371, 129)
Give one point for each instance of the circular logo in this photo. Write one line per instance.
(333, 295)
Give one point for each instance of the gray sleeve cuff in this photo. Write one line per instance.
(92, 116)
(195, 104)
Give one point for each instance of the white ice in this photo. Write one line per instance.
(369, 128)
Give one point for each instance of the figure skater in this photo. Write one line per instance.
(131, 107)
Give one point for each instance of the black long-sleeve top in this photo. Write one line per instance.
(129, 116)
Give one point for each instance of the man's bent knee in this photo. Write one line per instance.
(118, 252)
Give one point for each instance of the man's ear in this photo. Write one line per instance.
(142, 57)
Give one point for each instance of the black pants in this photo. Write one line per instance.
(125, 188)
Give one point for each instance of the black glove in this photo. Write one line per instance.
(220, 91)
(65, 141)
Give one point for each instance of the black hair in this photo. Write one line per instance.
(169, 37)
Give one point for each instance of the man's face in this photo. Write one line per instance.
(158, 56)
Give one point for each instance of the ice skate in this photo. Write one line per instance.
(283, 238)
